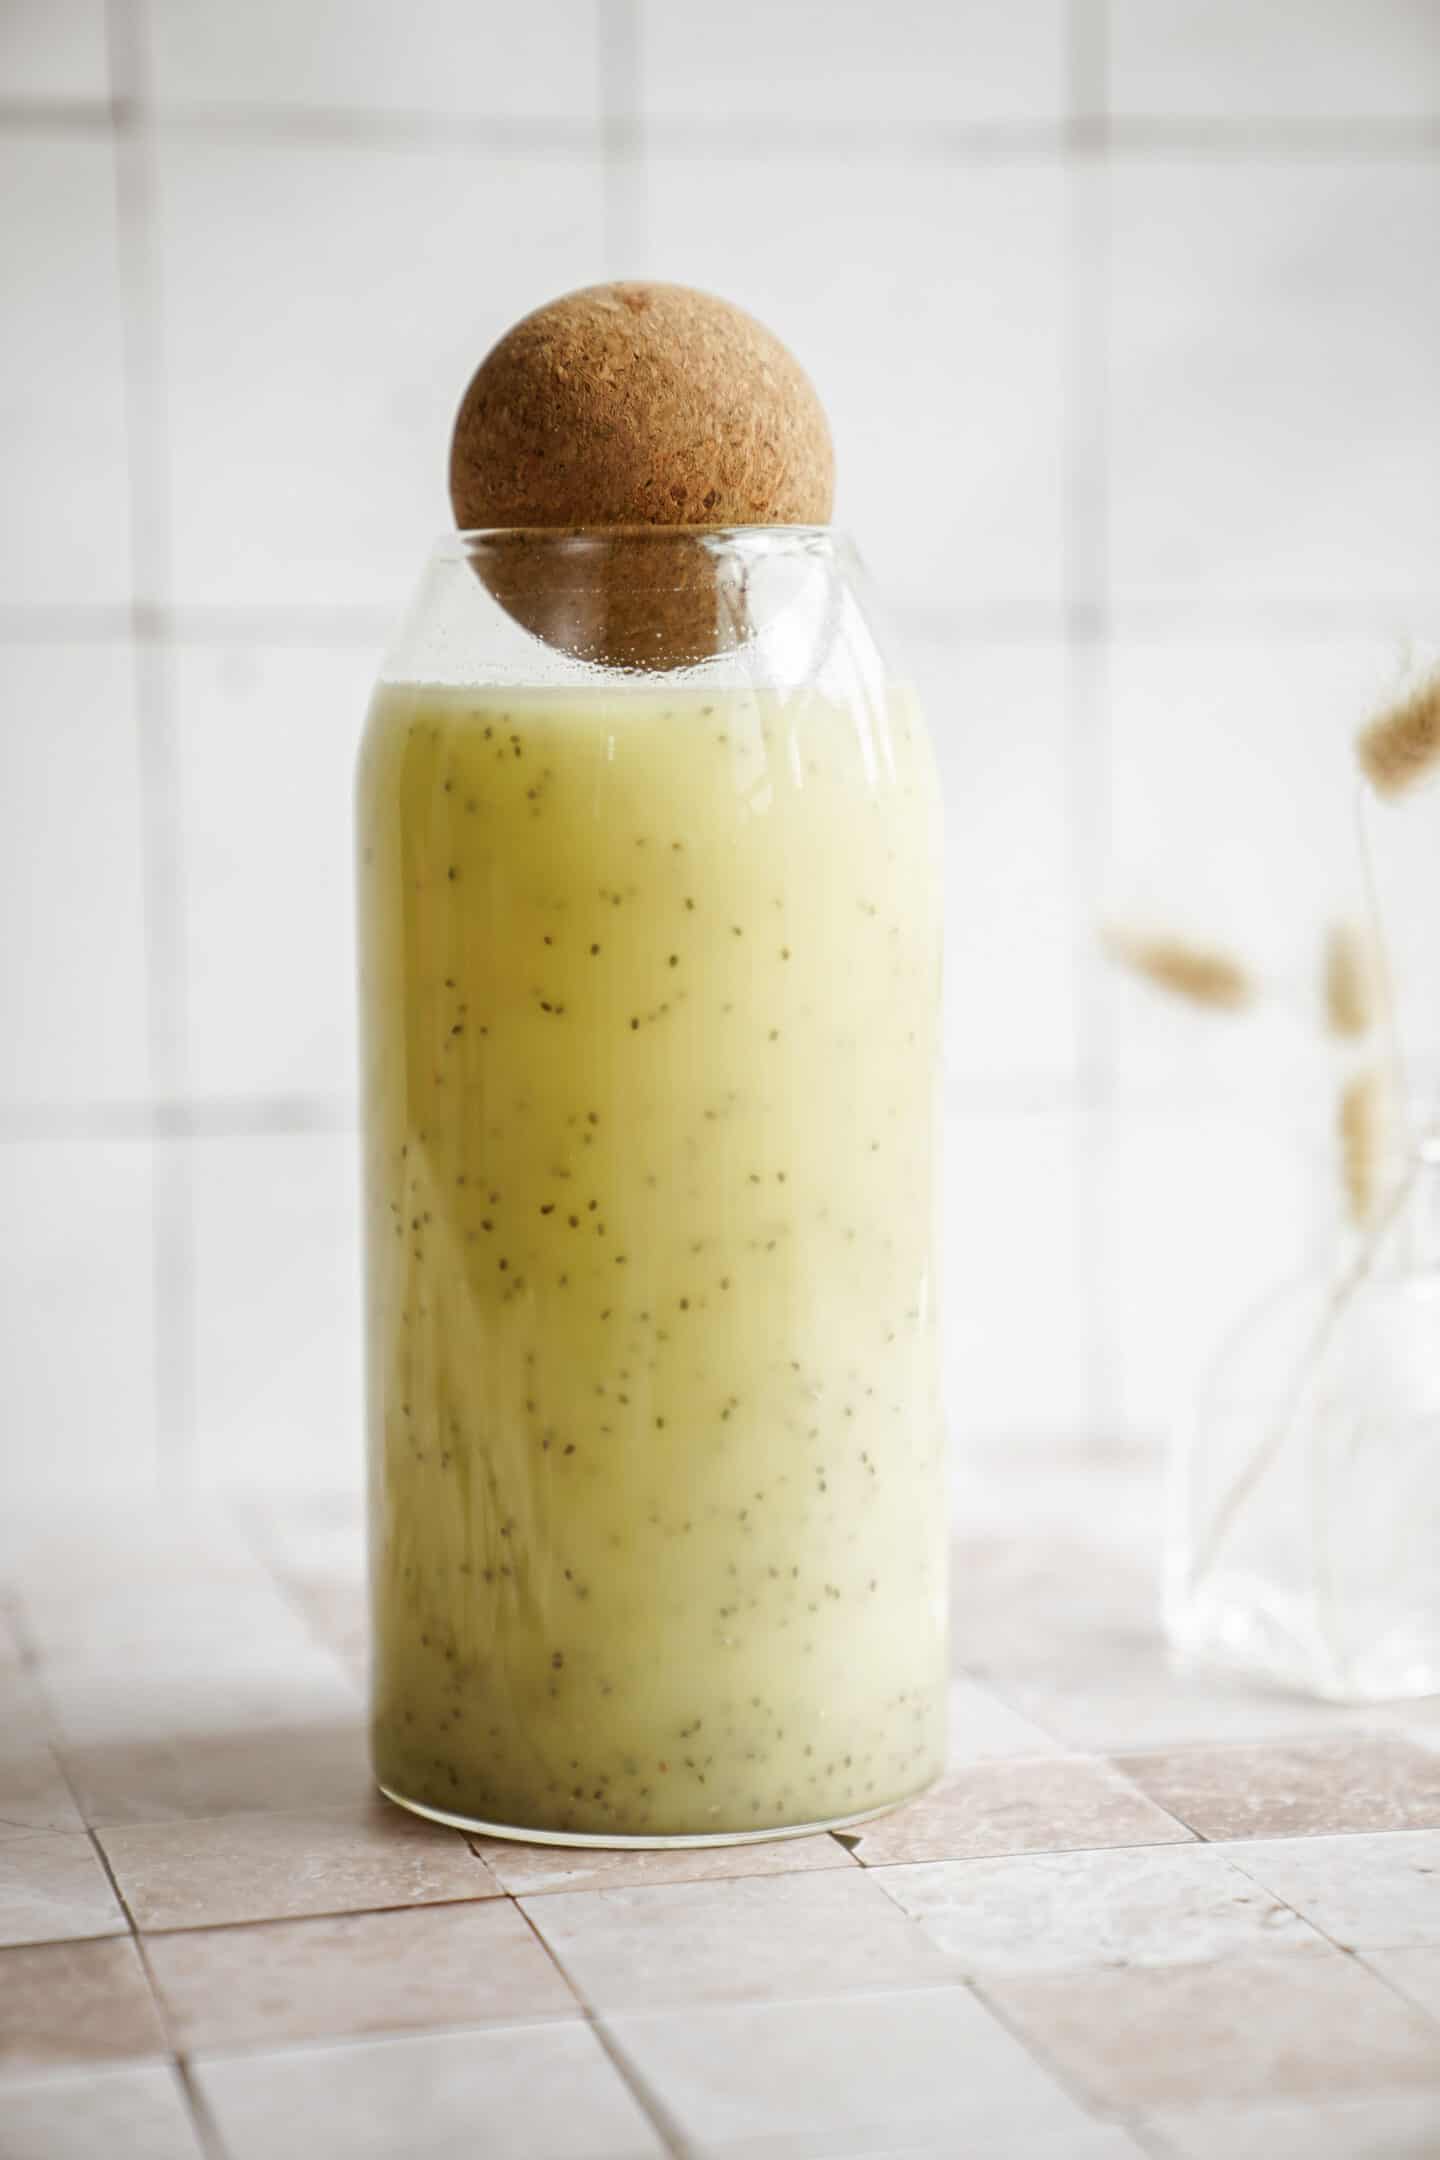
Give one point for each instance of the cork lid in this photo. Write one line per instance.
(635, 406)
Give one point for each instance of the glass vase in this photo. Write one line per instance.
(650, 957)
(1307, 1498)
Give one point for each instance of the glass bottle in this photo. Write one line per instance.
(1307, 1514)
(650, 955)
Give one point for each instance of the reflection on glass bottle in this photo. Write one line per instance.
(1307, 1502)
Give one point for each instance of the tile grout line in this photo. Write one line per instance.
(1345, 1950)
(569, 1890)
(197, 2109)
(1146, 2137)
(259, 1922)
(1234, 1850)
(1361, 1957)
(172, 1228)
(247, 1117)
(671, 2137)
(1190, 1839)
(200, 1117)
(1085, 574)
(1131, 1751)
(1257, 137)
(625, 184)
(356, 627)
(359, 627)
(1084, 2100)
(1231, 1849)
(201, 2120)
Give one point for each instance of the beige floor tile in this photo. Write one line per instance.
(368, 1973)
(524, 1869)
(276, 1867)
(134, 2114)
(774, 1939)
(165, 1626)
(121, 1539)
(34, 1794)
(1415, 1972)
(1375, 1781)
(983, 1728)
(1022, 1589)
(526, 2092)
(319, 1761)
(1301, 2023)
(1110, 1695)
(1420, 1721)
(21, 1700)
(53, 1889)
(1017, 1807)
(237, 1693)
(1063, 1912)
(1365, 1892)
(337, 1613)
(1055, 1604)
(1093, 2141)
(818, 2080)
(18, 1692)
(74, 2003)
(309, 1533)
(1402, 2126)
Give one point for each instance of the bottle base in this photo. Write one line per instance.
(670, 1843)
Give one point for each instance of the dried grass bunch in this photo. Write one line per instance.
(1202, 974)
(1401, 746)
(1396, 751)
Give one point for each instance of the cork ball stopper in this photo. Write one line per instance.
(635, 405)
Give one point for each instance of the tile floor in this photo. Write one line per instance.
(1145, 1917)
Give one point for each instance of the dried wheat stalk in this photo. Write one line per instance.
(1360, 1126)
(1401, 746)
(1350, 985)
(1203, 974)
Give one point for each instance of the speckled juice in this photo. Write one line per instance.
(650, 986)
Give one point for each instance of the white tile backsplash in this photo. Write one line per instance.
(79, 1322)
(1013, 1310)
(443, 57)
(277, 1295)
(267, 742)
(72, 962)
(1000, 723)
(1275, 346)
(315, 360)
(64, 539)
(817, 69)
(53, 49)
(926, 300)
(345, 202)
(1286, 60)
